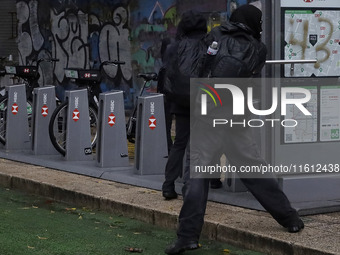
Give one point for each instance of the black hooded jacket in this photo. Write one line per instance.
(183, 55)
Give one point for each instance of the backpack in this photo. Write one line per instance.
(237, 56)
(185, 63)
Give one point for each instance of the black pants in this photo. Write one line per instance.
(168, 122)
(174, 166)
(241, 150)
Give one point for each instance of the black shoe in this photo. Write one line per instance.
(216, 184)
(181, 245)
(170, 195)
(296, 226)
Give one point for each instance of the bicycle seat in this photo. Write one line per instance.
(148, 76)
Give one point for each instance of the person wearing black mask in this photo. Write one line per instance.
(236, 143)
(190, 31)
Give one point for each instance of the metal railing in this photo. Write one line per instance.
(292, 63)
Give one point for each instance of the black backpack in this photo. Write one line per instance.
(185, 63)
(237, 56)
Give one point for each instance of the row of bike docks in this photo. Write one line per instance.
(28, 140)
(26, 131)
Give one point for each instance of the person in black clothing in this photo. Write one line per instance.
(160, 89)
(237, 144)
(192, 26)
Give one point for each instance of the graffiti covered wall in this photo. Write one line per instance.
(84, 33)
(151, 22)
(81, 34)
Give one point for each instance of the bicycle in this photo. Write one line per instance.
(90, 79)
(30, 76)
(131, 123)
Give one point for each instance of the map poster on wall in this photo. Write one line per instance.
(330, 113)
(310, 3)
(306, 129)
(312, 34)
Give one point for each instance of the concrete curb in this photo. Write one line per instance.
(164, 218)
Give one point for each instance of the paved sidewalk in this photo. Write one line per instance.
(246, 228)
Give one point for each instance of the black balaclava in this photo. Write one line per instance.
(192, 22)
(250, 16)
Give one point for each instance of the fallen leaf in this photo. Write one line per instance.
(30, 247)
(52, 211)
(35, 207)
(120, 236)
(80, 217)
(137, 233)
(132, 249)
(71, 209)
(226, 251)
(42, 238)
(25, 208)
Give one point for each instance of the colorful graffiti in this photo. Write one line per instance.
(75, 34)
(84, 33)
(151, 23)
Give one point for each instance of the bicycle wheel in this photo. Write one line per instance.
(3, 117)
(94, 124)
(58, 127)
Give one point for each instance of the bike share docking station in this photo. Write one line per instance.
(112, 162)
(78, 130)
(112, 150)
(151, 152)
(17, 126)
(44, 104)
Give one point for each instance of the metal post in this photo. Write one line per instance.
(44, 104)
(292, 63)
(17, 126)
(78, 136)
(112, 150)
(151, 145)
